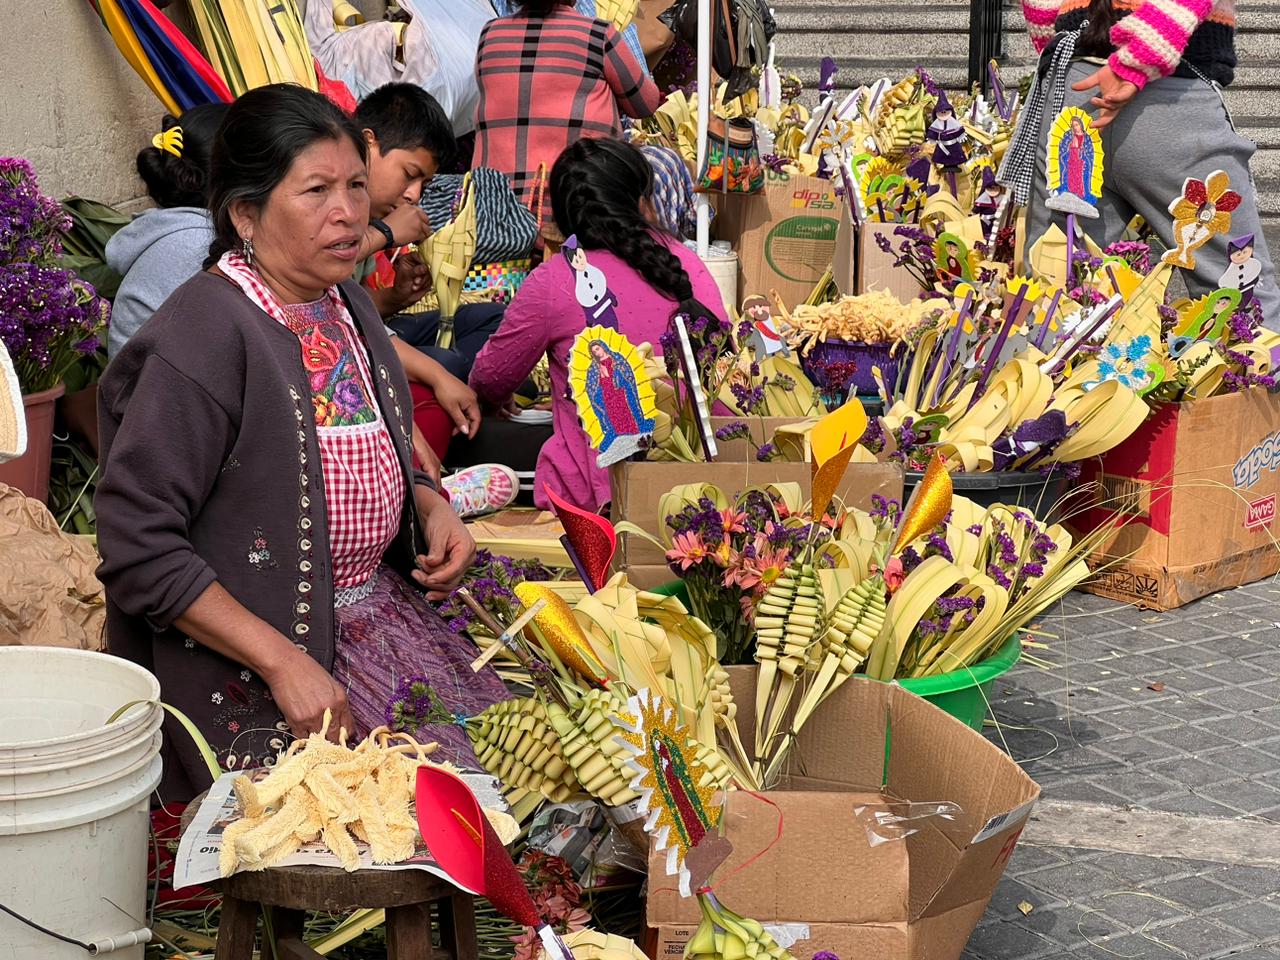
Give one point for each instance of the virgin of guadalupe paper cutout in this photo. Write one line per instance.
(1244, 269)
(683, 803)
(1209, 319)
(952, 257)
(590, 287)
(611, 389)
(765, 339)
(1202, 212)
(1074, 164)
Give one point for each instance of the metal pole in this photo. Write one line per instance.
(702, 203)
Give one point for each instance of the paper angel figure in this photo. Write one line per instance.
(1202, 212)
(448, 252)
(590, 287)
(615, 399)
(1074, 164)
(765, 339)
(952, 257)
(1245, 268)
(989, 201)
(1209, 322)
(13, 418)
(948, 134)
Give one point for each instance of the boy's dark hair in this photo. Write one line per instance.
(403, 116)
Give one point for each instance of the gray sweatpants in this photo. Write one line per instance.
(1173, 129)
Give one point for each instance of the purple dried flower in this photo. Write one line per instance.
(737, 430)
(765, 453)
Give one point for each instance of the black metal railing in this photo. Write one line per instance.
(986, 38)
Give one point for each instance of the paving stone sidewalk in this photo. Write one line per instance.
(1176, 712)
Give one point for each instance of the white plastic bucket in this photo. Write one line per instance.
(723, 268)
(74, 798)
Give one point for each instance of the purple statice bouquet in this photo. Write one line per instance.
(49, 319)
(491, 579)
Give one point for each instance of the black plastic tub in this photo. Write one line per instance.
(1034, 492)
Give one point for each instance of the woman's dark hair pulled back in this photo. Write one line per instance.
(596, 189)
(541, 8)
(264, 132)
(1095, 40)
(183, 181)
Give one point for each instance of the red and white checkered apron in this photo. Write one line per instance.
(364, 486)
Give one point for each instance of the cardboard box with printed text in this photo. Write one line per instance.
(836, 877)
(785, 236)
(1196, 489)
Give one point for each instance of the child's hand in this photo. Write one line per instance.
(1113, 94)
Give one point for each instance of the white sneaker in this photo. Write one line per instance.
(481, 489)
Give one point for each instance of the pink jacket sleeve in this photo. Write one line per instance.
(1150, 41)
(1040, 15)
(514, 349)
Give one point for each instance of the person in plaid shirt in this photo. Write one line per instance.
(548, 77)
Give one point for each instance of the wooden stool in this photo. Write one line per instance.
(406, 895)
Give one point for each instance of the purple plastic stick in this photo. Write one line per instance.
(1048, 317)
(954, 345)
(1107, 312)
(1071, 246)
(993, 356)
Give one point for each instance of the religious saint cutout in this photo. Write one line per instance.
(615, 399)
(1202, 212)
(1074, 164)
(765, 338)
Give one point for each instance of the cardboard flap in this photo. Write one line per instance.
(780, 884)
(934, 757)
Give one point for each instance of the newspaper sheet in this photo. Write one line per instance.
(201, 844)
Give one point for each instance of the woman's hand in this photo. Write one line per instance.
(459, 401)
(1113, 94)
(450, 547)
(427, 459)
(303, 690)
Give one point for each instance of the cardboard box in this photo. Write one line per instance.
(637, 485)
(826, 882)
(762, 431)
(874, 269)
(1199, 484)
(785, 236)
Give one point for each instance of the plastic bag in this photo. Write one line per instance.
(582, 835)
(440, 54)
(889, 822)
(439, 51)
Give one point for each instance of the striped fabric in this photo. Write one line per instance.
(546, 83)
(1154, 38)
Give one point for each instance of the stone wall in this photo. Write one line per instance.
(70, 103)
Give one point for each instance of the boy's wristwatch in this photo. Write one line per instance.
(383, 229)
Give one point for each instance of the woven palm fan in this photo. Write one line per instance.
(13, 421)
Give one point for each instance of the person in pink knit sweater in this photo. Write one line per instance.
(1153, 70)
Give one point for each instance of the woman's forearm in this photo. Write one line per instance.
(218, 621)
(418, 367)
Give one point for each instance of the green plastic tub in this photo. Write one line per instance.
(962, 693)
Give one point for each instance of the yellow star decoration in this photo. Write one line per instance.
(681, 794)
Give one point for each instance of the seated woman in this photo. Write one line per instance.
(268, 550)
(548, 76)
(165, 246)
(600, 193)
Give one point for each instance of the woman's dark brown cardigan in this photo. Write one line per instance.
(211, 471)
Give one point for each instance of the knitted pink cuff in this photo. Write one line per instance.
(1125, 72)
